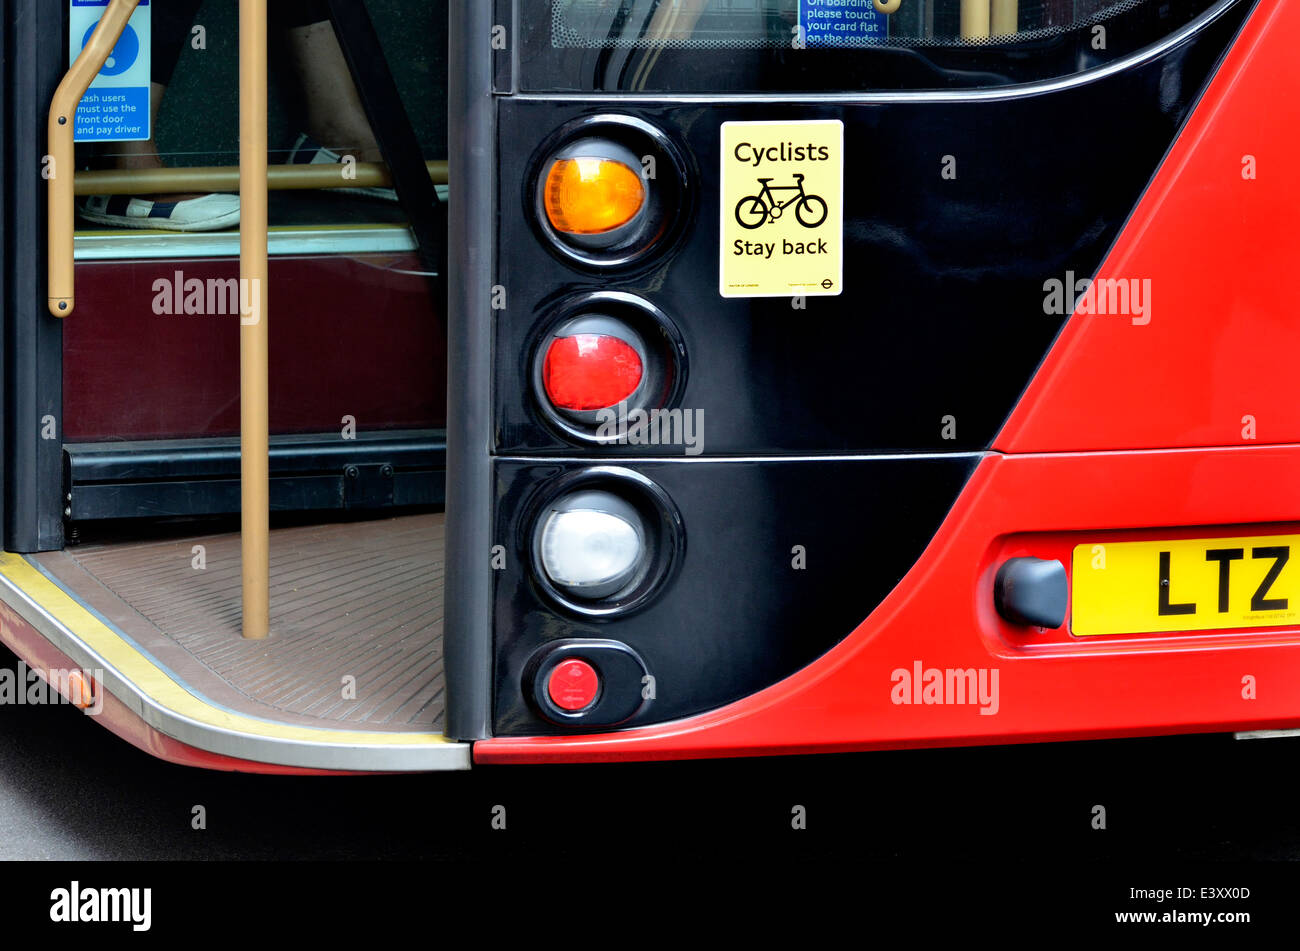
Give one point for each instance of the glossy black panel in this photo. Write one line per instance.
(771, 62)
(738, 615)
(943, 309)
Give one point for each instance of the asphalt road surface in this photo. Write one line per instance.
(71, 790)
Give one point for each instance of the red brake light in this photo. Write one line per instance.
(573, 685)
(590, 371)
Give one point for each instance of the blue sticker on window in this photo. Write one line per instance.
(841, 23)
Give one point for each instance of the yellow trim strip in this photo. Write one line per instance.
(153, 681)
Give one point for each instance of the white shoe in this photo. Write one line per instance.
(209, 213)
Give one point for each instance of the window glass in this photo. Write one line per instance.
(714, 46)
(749, 24)
(316, 117)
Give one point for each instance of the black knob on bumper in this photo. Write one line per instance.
(1032, 591)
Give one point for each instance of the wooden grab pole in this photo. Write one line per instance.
(60, 133)
(254, 422)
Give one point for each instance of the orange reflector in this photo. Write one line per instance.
(81, 690)
(592, 195)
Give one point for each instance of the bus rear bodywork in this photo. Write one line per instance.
(814, 382)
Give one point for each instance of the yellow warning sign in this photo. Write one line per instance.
(782, 208)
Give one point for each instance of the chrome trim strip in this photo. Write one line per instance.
(1264, 734)
(425, 757)
(911, 95)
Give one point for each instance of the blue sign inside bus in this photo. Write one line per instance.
(116, 106)
(841, 22)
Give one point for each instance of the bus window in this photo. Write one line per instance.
(655, 45)
(318, 119)
(358, 330)
(724, 24)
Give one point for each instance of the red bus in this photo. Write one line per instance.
(736, 377)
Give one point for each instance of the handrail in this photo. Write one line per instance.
(976, 19)
(982, 19)
(225, 178)
(1004, 17)
(61, 132)
(254, 414)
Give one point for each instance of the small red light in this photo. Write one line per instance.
(590, 371)
(573, 685)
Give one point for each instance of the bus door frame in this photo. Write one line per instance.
(33, 33)
(471, 274)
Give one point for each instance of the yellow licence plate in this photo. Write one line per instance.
(1193, 584)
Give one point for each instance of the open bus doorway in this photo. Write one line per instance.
(147, 569)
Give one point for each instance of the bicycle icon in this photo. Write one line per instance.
(754, 211)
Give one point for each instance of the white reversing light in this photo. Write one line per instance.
(592, 544)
